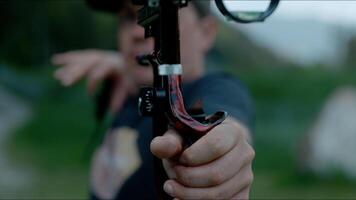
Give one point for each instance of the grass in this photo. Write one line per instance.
(52, 143)
(287, 101)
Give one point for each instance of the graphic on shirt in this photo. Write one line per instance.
(114, 162)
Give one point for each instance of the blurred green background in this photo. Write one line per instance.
(42, 155)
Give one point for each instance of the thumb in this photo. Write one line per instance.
(167, 146)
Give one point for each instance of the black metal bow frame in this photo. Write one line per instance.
(164, 101)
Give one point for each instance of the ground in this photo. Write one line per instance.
(52, 142)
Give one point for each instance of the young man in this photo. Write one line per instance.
(217, 166)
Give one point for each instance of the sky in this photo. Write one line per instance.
(336, 12)
(332, 11)
(304, 31)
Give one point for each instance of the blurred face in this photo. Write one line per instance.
(196, 35)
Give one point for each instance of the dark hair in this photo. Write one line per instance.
(113, 6)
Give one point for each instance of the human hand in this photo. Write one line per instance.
(95, 65)
(217, 166)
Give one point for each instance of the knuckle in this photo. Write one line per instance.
(241, 196)
(212, 194)
(216, 177)
(251, 153)
(235, 126)
(187, 157)
(239, 134)
(172, 141)
(183, 175)
(220, 194)
(181, 192)
(216, 145)
(249, 178)
(252, 178)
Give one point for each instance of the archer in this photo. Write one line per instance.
(217, 166)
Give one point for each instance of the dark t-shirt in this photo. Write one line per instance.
(216, 91)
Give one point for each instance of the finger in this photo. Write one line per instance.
(96, 75)
(58, 59)
(80, 70)
(211, 146)
(64, 75)
(65, 58)
(74, 72)
(169, 168)
(58, 74)
(168, 145)
(226, 190)
(68, 74)
(216, 172)
(244, 194)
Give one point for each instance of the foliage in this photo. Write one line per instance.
(287, 101)
(31, 31)
(351, 54)
(52, 143)
(237, 50)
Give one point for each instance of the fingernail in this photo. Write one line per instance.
(168, 188)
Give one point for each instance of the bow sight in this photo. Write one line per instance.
(164, 101)
(226, 7)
